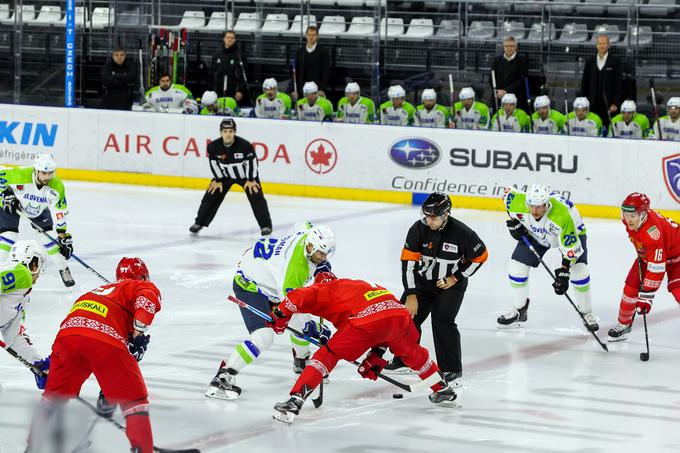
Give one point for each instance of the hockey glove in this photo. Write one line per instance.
(317, 331)
(104, 408)
(44, 366)
(65, 243)
(561, 283)
(516, 229)
(280, 321)
(644, 303)
(137, 345)
(372, 365)
(9, 202)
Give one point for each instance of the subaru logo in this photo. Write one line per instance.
(415, 152)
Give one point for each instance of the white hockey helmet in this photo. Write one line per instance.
(429, 95)
(581, 103)
(466, 93)
(541, 101)
(270, 83)
(25, 252)
(538, 195)
(190, 106)
(352, 87)
(209, 98)
(322, 239)
(509, 98)
(673, 102)
(628, 106)
(44, 162)
(309, 88)
(396, 91)
(302, 227)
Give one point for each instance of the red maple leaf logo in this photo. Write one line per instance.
(321, 157)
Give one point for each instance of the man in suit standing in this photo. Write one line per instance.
(511, 70)
(602, 82)
(312, 63)
(228, 69)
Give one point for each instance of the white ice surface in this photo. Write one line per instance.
(546, 388)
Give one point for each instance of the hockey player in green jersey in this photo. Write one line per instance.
(264, 275)
(629, 123)
(272, 104)
(313, 107)
(396, 111)
(547, 221)
(17, 276)
(509, 118)
(212, 105)
(354, 108)
(670, 124)
(169, 97)
(581, 122)
(470, 114)
(429, 113)
(34, 190)
(545, 119)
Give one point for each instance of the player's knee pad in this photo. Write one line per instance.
(324, 360)
(137, 407)
(676, 293)
(518, 274)
(580, 277)
(260, 340)
(630, 292)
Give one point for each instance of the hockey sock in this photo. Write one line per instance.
(321, 365)
(250, 349)
(627, 307)
(580, 280)
(676, 293)
(138, 431)
(7, 240)
(518, 273)
(431, 375)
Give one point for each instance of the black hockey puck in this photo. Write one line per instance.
(397, 395)
(644, 356)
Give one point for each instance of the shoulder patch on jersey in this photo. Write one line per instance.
(375, 294)
(448, 247)
(654, 233)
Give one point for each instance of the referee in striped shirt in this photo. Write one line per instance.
(232, 161)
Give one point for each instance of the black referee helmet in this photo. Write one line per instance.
(228, 123)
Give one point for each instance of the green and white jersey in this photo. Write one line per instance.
(670, 130)
(321, 109)
(561, 227)
(437, 117)
(553, 124)
(226, 106)
(362, 112)
(476, 118)
(517, 122)
(590, 126)
(15, 286)
(276, 109)
(172, 98)
(403, 116)
(637, 128)
(34, 201)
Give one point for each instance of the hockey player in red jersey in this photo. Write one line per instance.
(366, 316)
(657, 242)
(104, 334)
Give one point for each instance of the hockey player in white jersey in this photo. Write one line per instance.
(266, 273)
(429, 113)
(509, 118)
(470, 114)
(581, 122)
(354, 108)
(546, 120)
(170, 97)
(397, 111)
(670, 123)
(629, 123)
(272, 104)
(313, 107)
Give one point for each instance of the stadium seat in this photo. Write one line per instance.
(270, 2)
(28, 15)
(638, 36)
(564, 7)
(574, 33)
(373, 3)
(353, 3)
(391, 27)
(322, 3)
(481, 30)
(420, 28)
(332, 25)
(220, 21)
(192, 20)
(542, 32)
(622, 7)
(528, 6)
(593, 7)
(275, 23)
(449, 28)
(512, 28)
(248, 22)
(658, 8)
(48, 15)
(4, 12)
(300, 24)
(612, 31)
(102, 17)
(81, 18)
(364, 25)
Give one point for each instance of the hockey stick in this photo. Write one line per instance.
(240, 303)
(451, 109)
(656, 110)
(529, 104)
(318, 401)
(495, 99)
(644, 356)
(37, 371)
(85, 444)
(566, 110)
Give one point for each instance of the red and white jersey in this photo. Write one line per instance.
(657, 243)
(344, 302)
(107, 313)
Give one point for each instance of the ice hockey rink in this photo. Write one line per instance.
(548, 387)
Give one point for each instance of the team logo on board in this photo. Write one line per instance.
(671, 175)
(415, 152)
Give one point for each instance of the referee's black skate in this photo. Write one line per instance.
(513, 318)
(266, 231)
(195, 228)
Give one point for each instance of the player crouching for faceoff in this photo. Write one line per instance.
(367, 317)
(104, 334)
(657, 242)
(547, 221)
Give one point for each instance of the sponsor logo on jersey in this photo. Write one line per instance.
(376, 293)
(415, 152)
(20, 187)
(448, 247)
(238, 155)
(92, 307)
(654, 233)
(671, 175)
(321, 156)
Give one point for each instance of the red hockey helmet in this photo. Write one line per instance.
(324, 277)
(636, 202)
(132, 269)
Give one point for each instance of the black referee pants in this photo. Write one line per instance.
(211, 203)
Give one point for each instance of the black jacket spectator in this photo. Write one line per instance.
(603, 87)
(510, 76)
(226, 67)
(312, 66)
(118, 81)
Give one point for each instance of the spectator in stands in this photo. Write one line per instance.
(354, 108)
(468, 113)
(670, 124)
(602, 81)
(272, 104)
(169, 97)
(314, 107)
(581, 122)
(511, 70)
(546, 120)
(228, 68)
(509, 118)
(312, 63)
(118, 79)
(224, 106)
(397, 111)
(629, 123)
(429, 113)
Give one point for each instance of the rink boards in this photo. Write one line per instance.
(330, 160)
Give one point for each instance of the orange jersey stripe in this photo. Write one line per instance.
(409, 255)
(481, 258)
